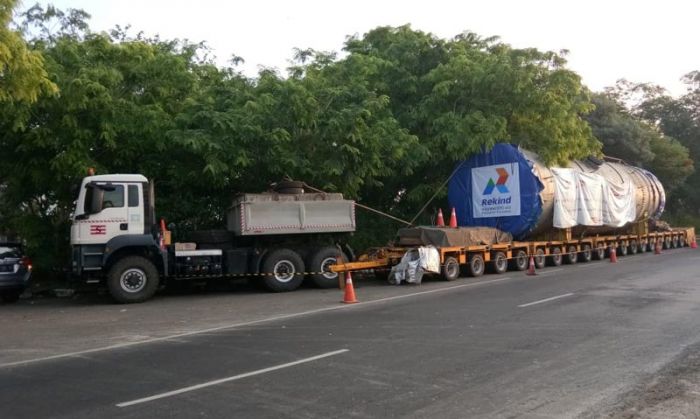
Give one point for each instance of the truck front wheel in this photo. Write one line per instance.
(133, 279)
(283, 270)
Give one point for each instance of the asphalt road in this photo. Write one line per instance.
(567, 343)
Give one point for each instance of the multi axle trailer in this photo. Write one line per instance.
(475, 259)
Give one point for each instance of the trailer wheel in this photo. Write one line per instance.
(674, 242)
(283, 270)
(599, 251)
(540, 258)
(667, 242)
(476, 265)
(319, 262)
(499, 264)
(519, 261)
(555, 259)
(586, 253)
(681, 241)
(634, 247)
(133, 279)
(450, 269)
(571, 256)
(642, 246)
(622, 249)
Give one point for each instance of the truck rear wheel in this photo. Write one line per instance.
(319, 264)
(555, 258)
(133, 279)
(283, 270)
(586, 253)
(599, 251)
(540, 258)
(499, 264)
(571, 255)
(476, 265)
(519, 261)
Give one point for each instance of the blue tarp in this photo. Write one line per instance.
(461, 196)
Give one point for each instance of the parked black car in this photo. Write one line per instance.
(15, 270)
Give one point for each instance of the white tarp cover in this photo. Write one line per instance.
(414, 264)
(589, 199)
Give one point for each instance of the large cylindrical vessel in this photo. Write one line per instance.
(511, 189)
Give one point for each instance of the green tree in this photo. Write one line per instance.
(460, 96)
(22, 74)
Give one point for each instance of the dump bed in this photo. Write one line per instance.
(275, 213)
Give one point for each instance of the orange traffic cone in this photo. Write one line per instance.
(349, 297)
(613, 254)
(440, 219)
(693, 244)
(531, 268)
(453, 218)
(657, 248)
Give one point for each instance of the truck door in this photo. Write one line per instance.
(135, 210)
(112, 221)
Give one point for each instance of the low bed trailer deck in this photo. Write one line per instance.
(474, 260)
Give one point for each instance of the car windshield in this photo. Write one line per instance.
(10, 251)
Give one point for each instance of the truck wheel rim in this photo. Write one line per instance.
(133, 280)
(501, 263)
(284, 271)
(325, 268)
(477, 265)
(451, 269)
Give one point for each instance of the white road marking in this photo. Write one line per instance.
(227, 379)
(589, 264)
(242, 324)
(549, 271)
(546, 300)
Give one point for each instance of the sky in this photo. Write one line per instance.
(641, 41)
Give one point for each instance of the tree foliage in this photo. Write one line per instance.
(22, 74)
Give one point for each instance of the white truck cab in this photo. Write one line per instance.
(109, 206)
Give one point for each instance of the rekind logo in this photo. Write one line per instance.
(500, 184)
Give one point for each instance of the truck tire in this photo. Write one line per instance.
(318, 265)
(634, 247)
(555, 258)
(211, 236)
(599, 252)
(133, 279)
(540, 258)
(476, 265)
(283, 270)
(571, 256)
(519, 261)
(499, 264)
(622, 249)
(289, 187)
(586, 253)
(450, 269)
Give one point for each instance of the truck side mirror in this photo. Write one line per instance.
(94, 197)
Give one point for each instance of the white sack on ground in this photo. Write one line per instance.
(414, 264)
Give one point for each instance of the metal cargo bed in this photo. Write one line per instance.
(274, 213)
